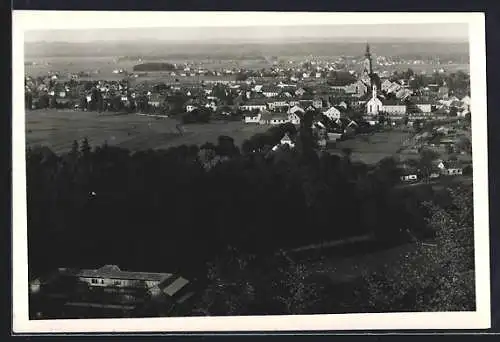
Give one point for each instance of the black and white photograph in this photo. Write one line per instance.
(224, 171)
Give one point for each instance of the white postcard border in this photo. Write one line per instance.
(36, 20)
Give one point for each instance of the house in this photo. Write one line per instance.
(296, 109)
(277, 104)
(109, 292)
(443, 92)
(394, 107)
(450, 168)
(408, 173)
(155, 100)
(258, 88)
(268, 118)
(425, 108)
(403, 94)
(343, 104)
(295, 117)
(254, 104)
(317, 103)
(386, 85)
(252, 117)
(212, 105)
(191, 105)
(279, 119)
(346, 122)
(332, 113)
(300, 92)
(394, 88)
(358, 88)
(286, 140)
(271, 91)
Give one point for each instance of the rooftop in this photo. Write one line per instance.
(114, 272)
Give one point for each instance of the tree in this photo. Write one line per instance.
(241, 76)
(230, 290)
(83, 102)
(28, 100)
(75, 152)
(468, 118)
(44, 101)
(427, 158)
(294, 290)
(432, 277)
(85, 148)
(226, 147)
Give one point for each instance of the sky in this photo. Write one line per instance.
(448, 32)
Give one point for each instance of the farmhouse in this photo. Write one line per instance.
(109, 291)
(332, 113)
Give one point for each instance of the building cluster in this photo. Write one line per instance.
(450, 149)
(268, 97)
(108, 292)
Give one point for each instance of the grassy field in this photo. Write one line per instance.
(370, 149)
(58, 129)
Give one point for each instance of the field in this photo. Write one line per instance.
(102, 67)
(58, 130)
(370, 149)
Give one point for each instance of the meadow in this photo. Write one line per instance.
(370, 149)
(58, 129)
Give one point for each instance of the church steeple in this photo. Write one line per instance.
(368, 61)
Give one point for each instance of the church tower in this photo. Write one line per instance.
(368, 61)
(366, 76)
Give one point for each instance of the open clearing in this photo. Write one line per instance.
(58, 129)
(370, 149)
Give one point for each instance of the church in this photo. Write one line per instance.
(377, 104)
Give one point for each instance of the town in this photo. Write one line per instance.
(344, 103)
(376, 130)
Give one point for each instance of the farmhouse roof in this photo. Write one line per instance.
(114, 272)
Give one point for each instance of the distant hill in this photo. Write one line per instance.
(240, 50)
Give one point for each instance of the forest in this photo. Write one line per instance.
(152, 66)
